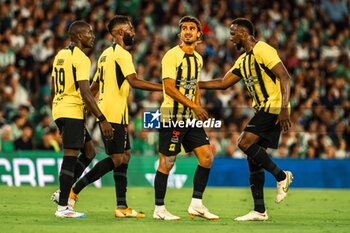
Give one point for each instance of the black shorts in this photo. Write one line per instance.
(264, 125)
(120, 141)
(170, 139)
(74, 133)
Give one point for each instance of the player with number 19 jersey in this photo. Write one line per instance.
(70, 66)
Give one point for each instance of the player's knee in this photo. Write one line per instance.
(117, 159)
(206, 161)
(167, 164)
(127, 156)
(243, 144)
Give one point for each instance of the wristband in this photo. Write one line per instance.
(101, 118)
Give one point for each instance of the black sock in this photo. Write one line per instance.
(259, 155)
(99, 170)
(200, 181)
(160, 185)
(120, 180)
(80, 166)
(257, 181)
(66, 178)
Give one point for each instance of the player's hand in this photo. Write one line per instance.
(200, 113)
(284, 120)
(107, 130)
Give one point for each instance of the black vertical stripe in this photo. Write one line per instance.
(75, 77)
(196, 77)
(261, 81)
(268, 72)
(251, 75)
(187, 91)
(177, 83)
(246, 76)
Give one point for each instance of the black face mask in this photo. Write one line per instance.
(128, 39)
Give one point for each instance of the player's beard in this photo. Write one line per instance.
(128, 40)
(239, 45)
(189, 42)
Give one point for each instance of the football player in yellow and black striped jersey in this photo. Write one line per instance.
(181, 66)
(115, 72)
(70, 93)
(268, 83)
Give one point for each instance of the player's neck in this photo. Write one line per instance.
(188, 48)
(249, 45)
(80, 46)
(120, 42)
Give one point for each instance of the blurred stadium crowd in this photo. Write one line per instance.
(312, 38)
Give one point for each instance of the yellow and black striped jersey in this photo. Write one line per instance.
(255, 69)
(114, 64)
(185, 69)
(70, 66)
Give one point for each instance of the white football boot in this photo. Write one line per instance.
(161, 213)
(68, 213)
(253, 216)
(72, 199)
(56, 196)
(201, 211)
(283, 186)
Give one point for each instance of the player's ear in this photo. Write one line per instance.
(199, 36)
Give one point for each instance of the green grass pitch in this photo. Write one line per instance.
(29, 209)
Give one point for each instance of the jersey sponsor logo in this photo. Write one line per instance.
(250, 126)
(189, 96)
(151, 120)
(60, 62)
(187, 86)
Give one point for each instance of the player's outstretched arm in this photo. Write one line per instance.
(90, 103)
(169, 87)
(141, 84)
(281, 72)
(229, 80)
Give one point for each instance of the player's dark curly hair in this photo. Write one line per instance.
(243, 22)
(192, 19)
(118, 19)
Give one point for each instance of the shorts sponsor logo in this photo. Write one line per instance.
(175, 137)
(172, 147)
